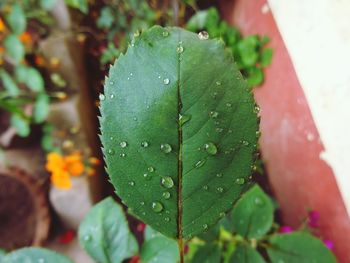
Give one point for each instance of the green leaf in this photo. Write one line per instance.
(81, 5)
(197, 21)
(21, 125)
(106, 18)
(14, 48)
(298, 247)
(208, 253)
(150, 233)
(41, 108)
(48, 4)
(179, 176)
(31, 77)
(105, 234)
(266, 57)
(253, 214)
(9, 84)
(160, 249)
(255, 76)
(34, 255)
(246, 254)
(16, 19)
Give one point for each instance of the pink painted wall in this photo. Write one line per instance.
(290, 141)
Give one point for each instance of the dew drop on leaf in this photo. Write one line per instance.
(200, 163)
(142, 203)
(146, 176)
(228, 104)
(166, 195)
(123, 144)
(157, 207)
(210, 148)
(205, 187)
(167, 219)
(220, 189)
(165, 33)
(245, 143)
(203, 35)
(213, 114)
(102, 97)
(166, 81)
(205, 226)
(122, 155)
(111, 151)
(166, 148)
(112, 96)
(218, 83)
(131, 183)
(111, 138)
(219, 175)
(144, 144)
(184, 118)
(258, 201)
(167, 182)
(240, 181)
(87, 238)
(150, 169)
(179, 49)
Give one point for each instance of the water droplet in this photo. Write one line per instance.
(166, 195)
(122, 155)
(220, 189)
(123, 144)
(219, 175)
(205, 226)
(111, 82)
(111, 138)
(142, 203)
(205, 187)
(218, 83)
(228, 104)
(144, 144)
(135, 118)
(146, 176)
(166, 148)
(143, 213)
(157, 207)
(258, 201)
(151, 169)
(245, 143)
(258, 134)
(219, 129)
(229, 131)
(213, 114)
(210, 148)
(200, 163)
(111, 96)
(166, 81)
(131, 183)
(165, 33)
(102, 97)
(167, 182)
(179, 49)
(87, 238)
(184, 118)
(203, 35)
(256, 109)
(222, 214)
(111, 151)
(240, 181)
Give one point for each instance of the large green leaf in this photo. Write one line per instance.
(105, 234)
(298, 247)
(14, 48)
(178, 130)
(253, 214)
(246, 254)
(34, 255)
(16, 19)
(209, 253)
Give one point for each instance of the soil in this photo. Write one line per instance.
(17, 214)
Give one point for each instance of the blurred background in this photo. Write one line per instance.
(55, 54)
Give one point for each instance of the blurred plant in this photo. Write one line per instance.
(62, 168)
(249, 52)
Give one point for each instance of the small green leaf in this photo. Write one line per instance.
(255, 76)
(105, 234)
(41, 108)
(266, 57)
(34, 255)
(31, 77)
(189, 175)
(9, 84)
(209, 253)
(298, 247)
(48, 4)
(81, 5)
(16, 19)
(106, 18)
(253, 214)
(14, 48)
(246, 254)
(197, 21)
(160, 249)
(21, 125)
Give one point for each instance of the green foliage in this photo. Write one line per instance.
(16, 19)
(34, 255)
(21, 125)
(48, 4)
(14, 48)
(9, 84)
(209, 253)
(253, 214)
(105, 235)
(81, 5)
(246, 254)
(249, 52)
(41, 108)
(187, 165)
(298, 248)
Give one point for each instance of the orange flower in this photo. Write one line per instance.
(62, 168)
(25, 38)
(2, 26)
